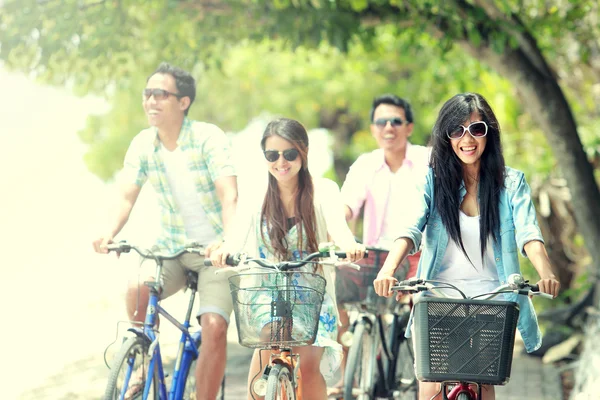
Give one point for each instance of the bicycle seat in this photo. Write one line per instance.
(191, 279)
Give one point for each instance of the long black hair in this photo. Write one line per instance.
(448, 169)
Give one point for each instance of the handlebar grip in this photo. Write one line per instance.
(342, 254)
(536, 290)
(123, 247)
(231, 260)
(546, 295)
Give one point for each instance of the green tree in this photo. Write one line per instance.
(102, 46)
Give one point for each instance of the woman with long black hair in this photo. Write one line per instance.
(478, 214)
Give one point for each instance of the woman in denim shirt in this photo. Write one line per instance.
(478, 214)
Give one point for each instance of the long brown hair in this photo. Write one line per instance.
(273, 212)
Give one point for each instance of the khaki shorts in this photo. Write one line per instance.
(213, 289)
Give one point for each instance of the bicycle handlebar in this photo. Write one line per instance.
(124, 247)
(516, 285)
(236, 259)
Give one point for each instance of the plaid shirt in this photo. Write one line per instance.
(208, 151)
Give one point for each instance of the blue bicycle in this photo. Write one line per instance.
(139, 364)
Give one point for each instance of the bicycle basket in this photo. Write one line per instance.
(464, 340)
(277, 309)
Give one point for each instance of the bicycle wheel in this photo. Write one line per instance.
(405, 370)
(463, 396)
(279, 385)
(130, 367)
(189, 375)
(360, 367)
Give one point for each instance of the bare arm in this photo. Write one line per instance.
(536, 252)
(128, 196)
(347, 213)
(385, 278)
(228, 195)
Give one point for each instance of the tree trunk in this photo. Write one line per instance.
(547, 104)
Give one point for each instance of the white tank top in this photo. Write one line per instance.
(477, 276)
(183, 187)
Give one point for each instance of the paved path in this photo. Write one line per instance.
(85, 379)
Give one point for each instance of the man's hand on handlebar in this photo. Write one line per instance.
(101, 244)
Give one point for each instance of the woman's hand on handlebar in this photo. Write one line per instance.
(218, 257)
(212, 248)
(549, 285)
(383, 283)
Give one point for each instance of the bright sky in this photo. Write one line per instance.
(51, 208)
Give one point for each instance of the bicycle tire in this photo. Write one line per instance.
(136, 350)
(279, 384)
(360, 366)
(189, 376)
(463, 396)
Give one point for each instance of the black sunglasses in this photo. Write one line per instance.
(382, 122)
(159, 94)
(273, 155)
(476, 129)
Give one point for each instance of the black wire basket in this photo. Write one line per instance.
(277, 309)
(464, 340)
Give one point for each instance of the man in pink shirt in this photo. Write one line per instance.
(381, 181)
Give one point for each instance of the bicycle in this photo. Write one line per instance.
(142, 351)
(465, 342)
(278, 310)
(380, 358)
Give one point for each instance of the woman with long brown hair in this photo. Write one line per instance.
(290, 220)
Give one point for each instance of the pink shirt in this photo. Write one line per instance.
(369, 182)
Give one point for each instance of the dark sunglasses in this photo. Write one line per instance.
(159, 94)
(476, 129)
(273, 155)
(382, 122)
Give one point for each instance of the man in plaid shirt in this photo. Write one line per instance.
(189, 166)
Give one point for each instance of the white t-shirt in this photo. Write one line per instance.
(181, 181)
(479, 277)
(399, 193)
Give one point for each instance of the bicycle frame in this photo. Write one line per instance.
(460, 387)
(389, 343)
(186, 351)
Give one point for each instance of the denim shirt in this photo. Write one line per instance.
(518, 226)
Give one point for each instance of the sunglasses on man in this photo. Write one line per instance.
(476, 129)
(289, 154)
(382, 122)
(159, 94)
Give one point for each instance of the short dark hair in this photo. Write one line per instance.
(184, 81)
(393, 100)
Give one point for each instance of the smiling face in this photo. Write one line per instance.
(283, 171)
(388, 137)
(469, 149)
(163, 113)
